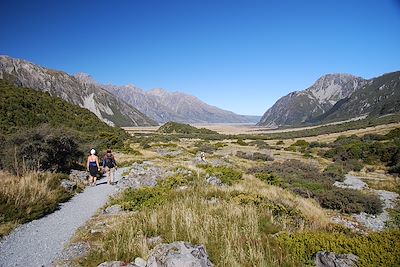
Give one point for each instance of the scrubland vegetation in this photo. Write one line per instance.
(42, 137)
(271, 211)
(274, 209)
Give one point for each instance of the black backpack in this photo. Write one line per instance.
(109, 161)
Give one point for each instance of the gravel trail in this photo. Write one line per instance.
(40, 242)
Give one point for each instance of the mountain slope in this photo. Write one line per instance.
(24, 108)
(74, 90)
(164, 106)
(380, 96)
(299, 107)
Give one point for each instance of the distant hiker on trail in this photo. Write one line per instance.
(93, 167)
(109, 165)
(203, 156)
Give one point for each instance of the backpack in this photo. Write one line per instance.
(109, 161)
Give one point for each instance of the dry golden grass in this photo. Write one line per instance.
(315, 216)
(28, 197)
(233, 234)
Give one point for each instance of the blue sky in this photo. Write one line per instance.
(240, 55)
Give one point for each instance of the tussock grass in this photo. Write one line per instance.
(234, 234)
(28, 197)
(312, 213)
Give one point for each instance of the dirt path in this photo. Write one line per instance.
(39, 243)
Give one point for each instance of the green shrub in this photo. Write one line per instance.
(301, 143)
(307, 181)
(279, 143)
(375, 249)
(181, 128)
(350, 201)
(241, 142)
(43, 148)
(336, 171)
(225, 174)
(259, 144)
(132, 199)
(254, 156)
(270, 178)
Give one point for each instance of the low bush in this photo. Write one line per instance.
(150, 197)
(307, 181)
(301, 143)
(349, 201)
(270, 178)
(254, 156)
(241, 142)
(336, 171)
(259, 144)
(43, 148)
(227, 175)
(375, 249)
(205, 147)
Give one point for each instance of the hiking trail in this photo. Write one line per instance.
(40, 242)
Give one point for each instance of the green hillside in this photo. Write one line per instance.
(37, 126)
(181, 128)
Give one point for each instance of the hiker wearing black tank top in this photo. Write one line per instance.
(93, 167)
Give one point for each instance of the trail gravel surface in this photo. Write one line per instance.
(40, 242)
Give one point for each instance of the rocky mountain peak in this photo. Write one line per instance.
(301, 106)
(158, 92)
(85, 78)
(333, 87)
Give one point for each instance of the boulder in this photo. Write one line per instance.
(178, 254)
(140, 262)
(76, 175)
(214, 180)
(68, 185)
(116, 264)
(113, 210)
(329, 259)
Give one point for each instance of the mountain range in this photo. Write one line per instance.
(336, 97)
(164, 106)
(105, 105)
(116, 105)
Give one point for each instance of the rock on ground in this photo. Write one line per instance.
(144, 174)
(116, 264)
(179, 254)
(214, 180)
(68, 185)
(329, 259)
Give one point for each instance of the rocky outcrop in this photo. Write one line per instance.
(79, 90)
(329, 259)
(142, 174)
(302, 106)
(179, 254)
(68, 185)
(380, 96)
